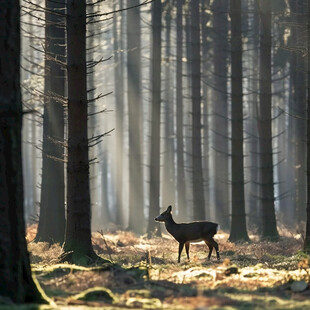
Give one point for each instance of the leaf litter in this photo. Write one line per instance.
(144, 274)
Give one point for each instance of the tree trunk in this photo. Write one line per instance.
(238, 230)
(307, 238)
(15, 272)
(269, 225)
(300, 123)
(78, 246)
(154, 209)
(187, 106)
(181, 200)
(136, 193)
(119, 102)
(51, 226)
(92, 122)
(254, 202)
(168, 184)
(197, 178)
(205, 17)
(220, 112)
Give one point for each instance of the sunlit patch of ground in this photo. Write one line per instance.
(249, 275)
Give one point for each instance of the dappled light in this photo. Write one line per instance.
(154, 154)
(257, 272)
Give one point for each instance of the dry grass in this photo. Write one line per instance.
(245, 269)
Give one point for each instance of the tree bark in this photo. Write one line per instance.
(168, 178)
(119, 101)
(220, 112)
(154, 209)
(307, 238)
(181, 200)
(254, 203)
(205, 17)
(238, 230)
(136, 193)
(197, 177)
(300, 123)
(51, 226)
(78, 246)
(269, 225)
(15, 272)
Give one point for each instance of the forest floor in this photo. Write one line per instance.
(145, 275)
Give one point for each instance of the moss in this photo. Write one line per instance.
(139, 293)
(144, 303)
(97, 294)
(137, 272)
(63, 269)
(228, 253)
(301, 254)
(278, 258)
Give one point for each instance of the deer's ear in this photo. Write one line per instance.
(169, 209)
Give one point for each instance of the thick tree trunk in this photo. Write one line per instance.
(51, 226)
(136, 193)
(15, 273)
(220, 112)
(78, 246)
(269, 225)
(197, 177)
(238, 230)
(155, 121)
(181, 200)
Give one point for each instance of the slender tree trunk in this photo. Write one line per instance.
(290, 211)
(269, 225)
(205, 102)
(197, 177)
(187, 106)
(179, 111)
(119, 101)
(238, 230)
(136, 193)
(220, 112)
(92, 120)
(15, 272)
(307, 238)
(168, 184)
(51, 226)
(254, 202)
(300, 106)
(155, 122)
(78, 246)
(296, 159)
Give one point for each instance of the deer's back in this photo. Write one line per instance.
(195, 231)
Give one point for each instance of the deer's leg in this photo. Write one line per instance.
(181, 246)
(187, 249)
(214, 244)
(210, 249)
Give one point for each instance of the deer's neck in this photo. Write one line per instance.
(170, 224)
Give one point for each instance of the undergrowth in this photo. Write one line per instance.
(144, 274)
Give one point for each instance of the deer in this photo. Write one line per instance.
(186, 233)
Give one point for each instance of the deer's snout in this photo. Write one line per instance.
(159, 219)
